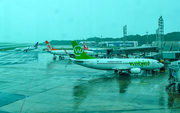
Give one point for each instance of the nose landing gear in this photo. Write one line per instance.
(115, 71)
(120, 73)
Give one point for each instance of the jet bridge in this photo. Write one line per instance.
(128, 50)
(174, 75)
(131, 50)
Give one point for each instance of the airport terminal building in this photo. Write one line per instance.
(119, 43)
(168, 45)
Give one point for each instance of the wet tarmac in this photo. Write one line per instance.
(61, 86)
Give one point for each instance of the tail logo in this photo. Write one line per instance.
(49, 47)
(78, 50)
(85, 46)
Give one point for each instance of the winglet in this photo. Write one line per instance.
(49, 47)
(79, 53)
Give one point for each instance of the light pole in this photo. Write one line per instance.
(124, 35)
(161, 34)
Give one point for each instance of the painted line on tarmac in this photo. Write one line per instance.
(158, 84)
(29, 88)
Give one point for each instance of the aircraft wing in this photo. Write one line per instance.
(72, 59)
(57, 52)
(121, 68)
(17, 49)
(25, 49)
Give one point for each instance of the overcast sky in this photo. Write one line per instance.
(40, 20)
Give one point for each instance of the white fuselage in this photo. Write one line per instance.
(25, 49)
(62, 52)
(120, 64)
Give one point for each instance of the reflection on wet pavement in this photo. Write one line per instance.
(7, 98)
(61, 86)
(124, 82)
(87, 89)
(12, 58)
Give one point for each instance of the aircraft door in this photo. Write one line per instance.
(153, 63)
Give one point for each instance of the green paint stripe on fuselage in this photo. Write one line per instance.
(139, 63)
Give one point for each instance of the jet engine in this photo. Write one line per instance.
(135, 70)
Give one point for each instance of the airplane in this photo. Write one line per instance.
(85, 46)
(27, 48)
(54, 51)
(91, 49)
(133, 65)
(62, 52)
(95, 49)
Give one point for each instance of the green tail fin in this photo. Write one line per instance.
(79, 53)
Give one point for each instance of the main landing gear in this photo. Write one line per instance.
(60, 57)
(54, 58)
(115, 71)
(120, 72)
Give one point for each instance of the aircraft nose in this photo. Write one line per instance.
(161, 65)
